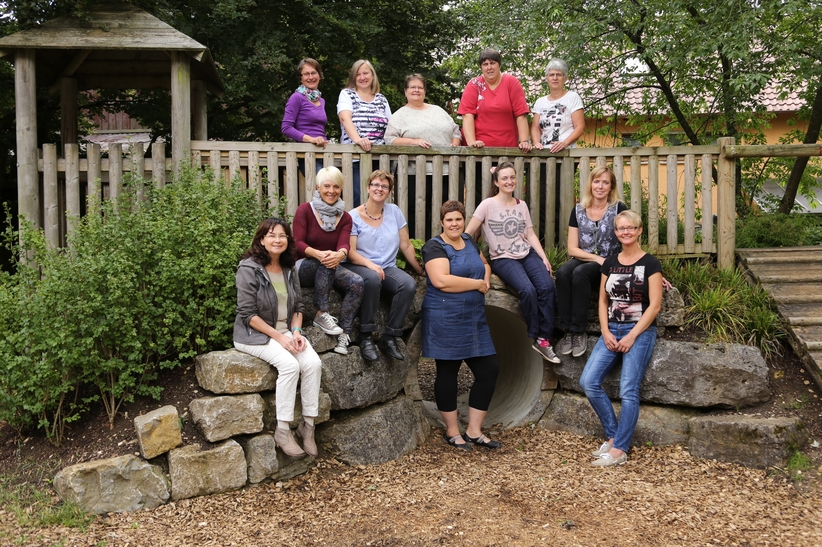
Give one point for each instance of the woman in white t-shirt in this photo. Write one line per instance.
(559, 119)
(364, 113)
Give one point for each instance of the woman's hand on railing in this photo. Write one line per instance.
(364, 143)
(422, 143)
(476, 144)
(319, 141)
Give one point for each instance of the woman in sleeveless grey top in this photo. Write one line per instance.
(591, 239)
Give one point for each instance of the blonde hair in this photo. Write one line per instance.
(352, 76)
(330, 174)
(587, 198)
(631, 216)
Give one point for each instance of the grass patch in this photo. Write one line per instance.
(797, 465)
(796, 404)
(724, 305)
(25, 494)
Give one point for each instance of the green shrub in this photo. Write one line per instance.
(776, 230)
(145, 283)
(726, 306)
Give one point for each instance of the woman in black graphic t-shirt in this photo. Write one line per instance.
(629, 300)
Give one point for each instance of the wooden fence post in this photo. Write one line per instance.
(73, 202)
(725, 206)
(50, 199)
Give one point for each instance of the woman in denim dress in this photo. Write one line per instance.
(454, 325)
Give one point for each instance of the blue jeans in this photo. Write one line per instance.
(634, 363)
(530, 278)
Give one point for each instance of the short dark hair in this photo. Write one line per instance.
(311, 62)
(257, 250)
(489, 53)
(451, 206)
(383, 175)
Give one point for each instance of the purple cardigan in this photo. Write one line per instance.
(303, 118)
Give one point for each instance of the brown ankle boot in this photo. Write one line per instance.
(286, 442)
(307, 433)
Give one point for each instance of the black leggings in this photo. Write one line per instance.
(485, 370)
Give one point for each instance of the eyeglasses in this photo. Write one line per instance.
(308, 74)
(381, 186)
(621, 229)
(416, 88)
(276, 237)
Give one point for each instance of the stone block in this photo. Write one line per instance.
(228, 415)
(124, 483)
(232, 371)
(687, 374)
(353, 382)
(376, 434)
(270, 410)
(199, 473)
(158, 431)
(260, 456)
(658, 425)
(747, 440)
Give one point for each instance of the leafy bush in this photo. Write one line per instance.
(726, 306)
(144, 283)
(776, 230)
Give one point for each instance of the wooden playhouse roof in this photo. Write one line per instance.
(118, 46)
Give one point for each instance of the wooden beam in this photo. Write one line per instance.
(25, 105)
(180, 108)
(725, 206)
(69, 70)
(199, 119)
(68, 111)
(772, 151)
(100, 81)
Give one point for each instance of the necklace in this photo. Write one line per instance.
(365, 210)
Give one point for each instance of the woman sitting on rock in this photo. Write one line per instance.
(454, 326)
(268, 326)
(379, 231)
(630, 297)
(517, 256)
(322, 229)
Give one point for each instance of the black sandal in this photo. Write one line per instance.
(482, 440)
(453, 442)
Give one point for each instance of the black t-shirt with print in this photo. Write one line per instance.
(627, 287)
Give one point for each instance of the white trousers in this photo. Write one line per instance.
(305, 366)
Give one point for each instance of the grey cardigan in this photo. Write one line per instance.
(256, 296)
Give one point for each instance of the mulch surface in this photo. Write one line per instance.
(539, 488)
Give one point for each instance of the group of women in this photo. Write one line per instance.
(493, 109)
(356, 252)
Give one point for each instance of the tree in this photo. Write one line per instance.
(698, 65)
(798, 26)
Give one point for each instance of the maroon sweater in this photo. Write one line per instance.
(308, 233)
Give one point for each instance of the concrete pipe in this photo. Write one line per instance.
(518, 398)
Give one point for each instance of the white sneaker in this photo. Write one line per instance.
(342, 344)
(327, 324)
(604, 449)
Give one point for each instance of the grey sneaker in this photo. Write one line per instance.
(579, 343)
(566, 346)
(342, 344)
(543, 347)
(606, 460)
(327, 324)
(606, 446)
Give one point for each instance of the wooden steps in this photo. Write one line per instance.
(793, 278)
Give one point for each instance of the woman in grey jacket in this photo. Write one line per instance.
(268, 326)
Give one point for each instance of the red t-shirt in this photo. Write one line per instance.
(495, 111)
(308, 233)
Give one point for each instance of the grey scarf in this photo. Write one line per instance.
(328, 213)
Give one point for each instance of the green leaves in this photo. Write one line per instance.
(144, 284)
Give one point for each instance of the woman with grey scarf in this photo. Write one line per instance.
(322, 230)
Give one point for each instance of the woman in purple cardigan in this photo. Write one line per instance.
(305, 118)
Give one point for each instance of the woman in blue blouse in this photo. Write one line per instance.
(378, 231)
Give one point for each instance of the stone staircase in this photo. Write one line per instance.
(793, 278)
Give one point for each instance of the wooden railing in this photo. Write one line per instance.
(657, 175)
